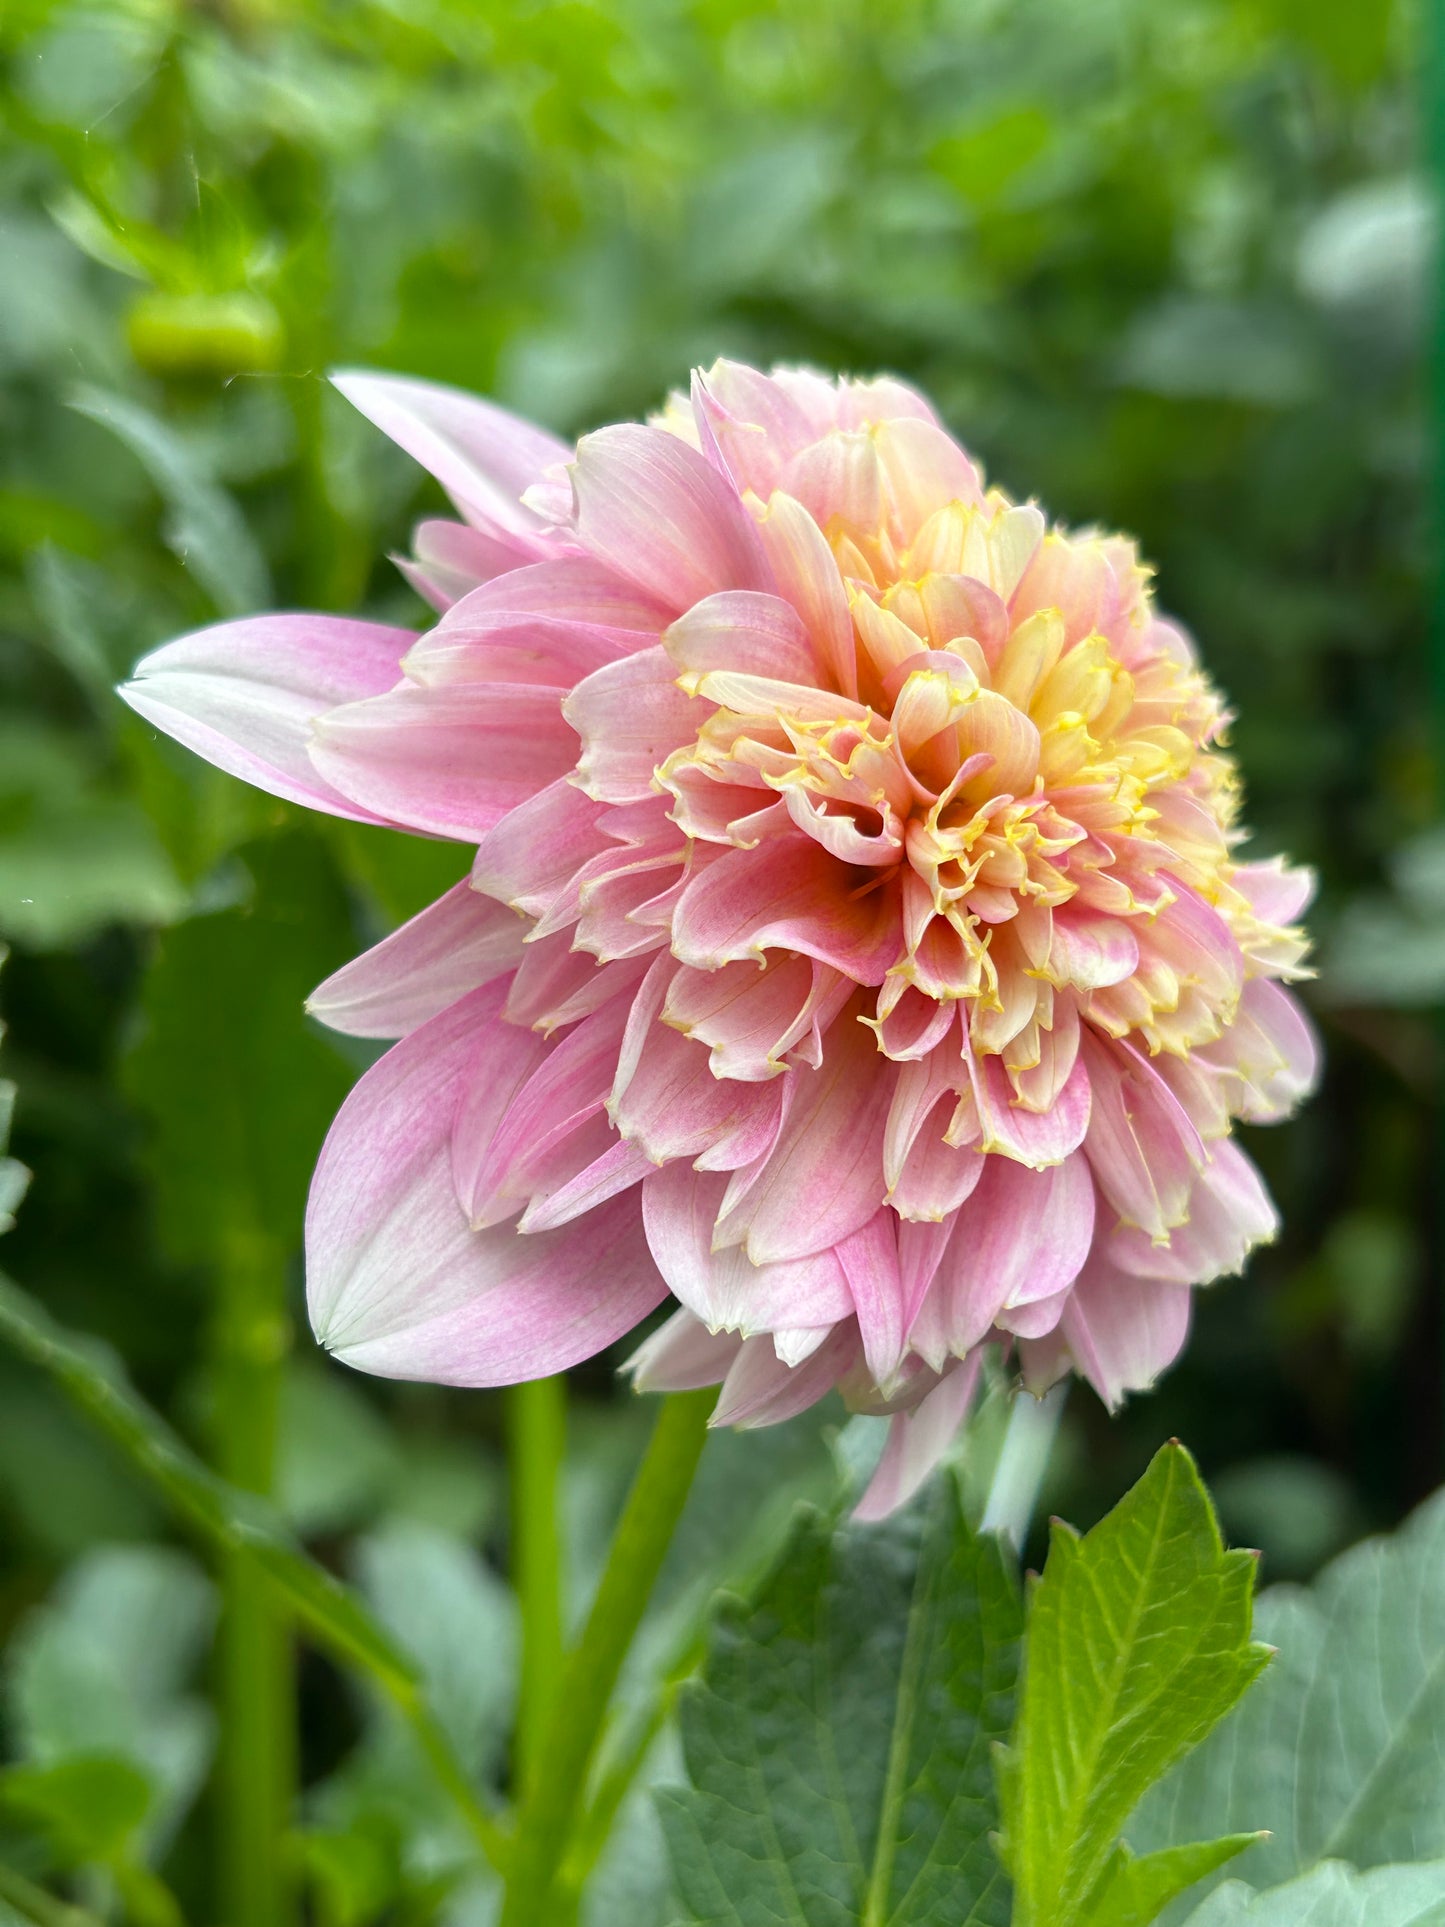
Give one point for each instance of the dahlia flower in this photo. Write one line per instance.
(856, 947)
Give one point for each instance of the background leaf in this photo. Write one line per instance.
(1340, 1750)
(1332, 1896)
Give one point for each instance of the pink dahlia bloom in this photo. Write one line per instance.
(856, 948)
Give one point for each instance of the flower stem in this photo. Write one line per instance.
(537, 1439)
(1031, 1427)
(257, 1761)
(589, 1672)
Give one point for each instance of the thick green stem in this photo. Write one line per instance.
(256, 1776)
(537, 1426)
(590, 1670)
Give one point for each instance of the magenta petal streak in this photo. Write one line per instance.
(856, 948)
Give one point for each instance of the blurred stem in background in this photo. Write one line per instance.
(537, 1444)
(549, 1808)
(257, 1777)
(1434, 143)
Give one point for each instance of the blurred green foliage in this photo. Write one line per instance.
(1165, 266)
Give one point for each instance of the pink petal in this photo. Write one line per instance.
(1229, 1214)
(450, 761)
(1123, 1331)
(751, 1019)
(917, 1441)
(807, 576)
(869, 1259)
(1022, 1236)
(245, 694)
(1276, 892)
(397, 1281)
(682, 1355)
(660, 515)
(503, 1158)
(455, 945)
(790, 894)
(740, 629)
(1089, 951)
(1032, 1137)
(484, 457)
(761, 1390)
(449, 559)
(666, 1096)
(529, 858)
(1270, 1053)
(631, 716)
(823, 1180)
(1142, 1143)
(723, 1288)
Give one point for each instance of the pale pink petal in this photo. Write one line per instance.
(666, 1097)
(823, 1180)
(741, 629)
(455, 945)
(397, 1281)
(503, 1158)
(1022, 1236)
(869, 1259)
(1142, 1143)
(917, 1441)
(245, 694)
(682, 1355)
(1270, 1054)
(1229, 1214)
(1123, 1331)
(1276, 891)
(1090, 951)
(530, 857)
(450, 761)
(1032, 1137)
(630, 716)
(752, 420)
(562, 1196)
(484, 457)
(660, 515)
(723, 1288)
(751, 1019)
(807, 576)
(760, 1389)
(449, 560)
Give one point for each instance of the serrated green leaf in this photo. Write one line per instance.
(1341, 1750)
(839, 1741)
(1138, 1643)
(1135, 1891)
(1333, 1895)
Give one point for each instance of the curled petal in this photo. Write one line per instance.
(682, 1355)
(1123, 1331)
(917, 1441)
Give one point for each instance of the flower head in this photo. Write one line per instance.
(857, 946)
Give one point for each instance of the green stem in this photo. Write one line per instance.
(1022, 1462)
(33, 1903)
(256, 1769)
(537, 1424)
(590, 1671)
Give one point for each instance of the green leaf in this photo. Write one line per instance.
(232, 1521)
(204, 528)
(1341, 1750)
(1334, 1895)
(838, 1743)
(240, 1088)
(90, 1806)
(1138, 1643)
(1135, 1891)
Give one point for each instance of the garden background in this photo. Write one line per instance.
(1167, 267)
